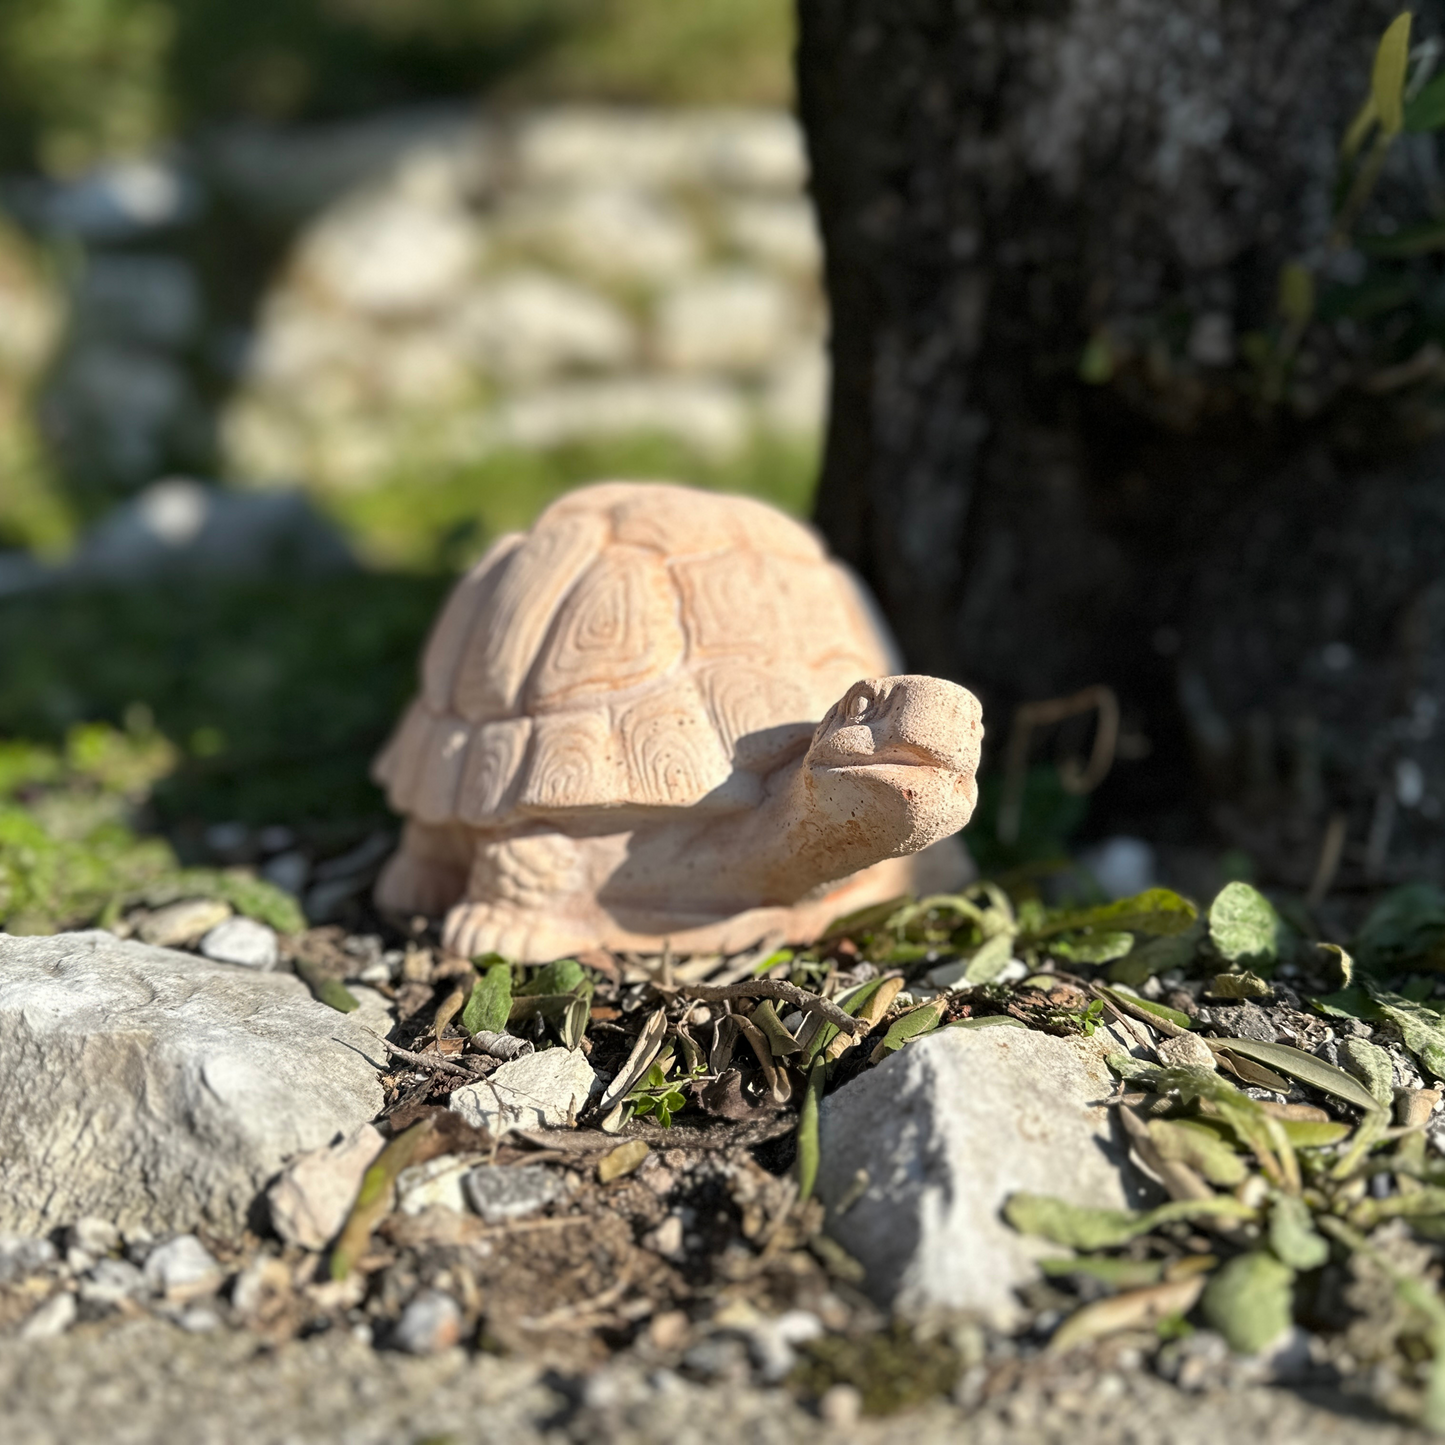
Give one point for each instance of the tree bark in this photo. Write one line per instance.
(1003, 190)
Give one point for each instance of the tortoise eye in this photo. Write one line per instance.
(858, 708)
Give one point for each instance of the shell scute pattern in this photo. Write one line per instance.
(644, 646)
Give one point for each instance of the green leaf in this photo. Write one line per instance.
(1296, 293)
(490, 1002)
(1239, 985)
(1371, 1065)
(1387, 79)
(988, 1021)
(1419, 1027)
(1306, 1068)
(990, 959)
(1243, 926)
(779, 1039)
(1351, 1002)
(1091, 947)
(252, 896)
(1359, 128)
(1406, 928)
(1186, 1141)
(1158, 955)
(330, 991)
(1426, 109)
(572, 1028)
(807, 1164)
(1082, 1228)
(1419, 240)
(1159, 1010)
(1116, 1273)
(916, 1022)
(564, 976)
(1313, 1133)
(1250, 1301)
(1292, 1234)
(1157, 910)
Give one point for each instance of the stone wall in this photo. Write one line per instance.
(437, 285)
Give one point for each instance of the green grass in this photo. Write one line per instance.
(438, 521)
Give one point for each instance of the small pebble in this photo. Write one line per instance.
(429, 1324)
(669, 1330)
(95, 1236)
(198, 1320)
(242, 941)
(182, 1268)
(21, 1255)
(666, 1239)
(499, 1193)
(111, 1281)
(1185, 1051)
(53, 1318)
(841, 1406)
(182, 923)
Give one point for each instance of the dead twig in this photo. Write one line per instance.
(424, 1061)
(787, 992)
(1075, 779)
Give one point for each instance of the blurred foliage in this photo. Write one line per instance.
(433, 520)
(86, 80)
(71, 852)
(275, 695)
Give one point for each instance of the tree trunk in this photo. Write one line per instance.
(1054, 235)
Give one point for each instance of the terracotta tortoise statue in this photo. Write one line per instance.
(665, 716)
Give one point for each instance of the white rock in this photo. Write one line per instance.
(529, 325)
(53, 1318)
(572, 145)
(706, 414)
(386, 254)
(499, 1193)
(242, 941)
(795, 394)
(95, 1236)
(310, 1201)
(947, 1130)
(182, 1268)
(111, 1281)
(182, 922)
(21, 1255)
(163, 1090)
(437, 1184)
(609, 231)
(732, 320)
(779, 232)
(430, 1323)
(543, 1090)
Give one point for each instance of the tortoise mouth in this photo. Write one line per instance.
(890, 755)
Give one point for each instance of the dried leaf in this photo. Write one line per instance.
(1107, 1269)
(573, 1027)
(1082, 1228)
(1138, 1309)
(1306, 1068)
(373, 1203)
(649, 1041)
(988, 1021)
(1250, 1301)
(1243, 925)
(621, 1160)
(490, 1002)
(1145, 1009)
(1247, 1072)
(779, 1039)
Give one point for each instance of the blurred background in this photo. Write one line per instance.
(301, 303)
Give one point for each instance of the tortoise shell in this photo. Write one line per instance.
(641, 646)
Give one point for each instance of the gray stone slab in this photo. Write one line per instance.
(160, 1090)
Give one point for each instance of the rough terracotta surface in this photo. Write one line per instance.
(666, 715)
(946, 1130)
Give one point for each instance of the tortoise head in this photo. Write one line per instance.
(896, 757)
